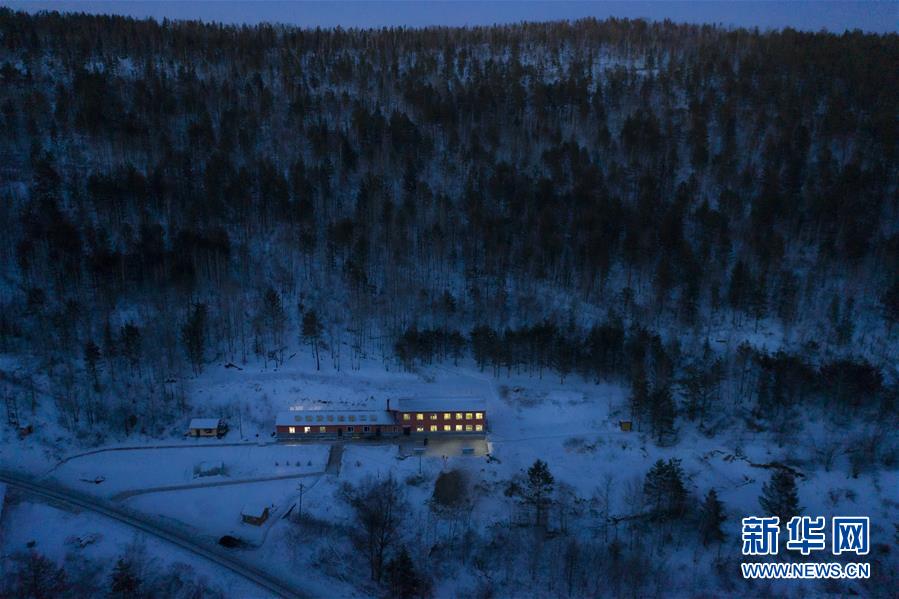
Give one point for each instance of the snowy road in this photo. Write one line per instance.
(263, 579)
(220, 483)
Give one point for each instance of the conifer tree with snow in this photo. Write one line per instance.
(193, 335)
(711, 517)
(780, 497)
(124, 581)
(402, 577)
(664, 489)
(538, 490)
(311, 333)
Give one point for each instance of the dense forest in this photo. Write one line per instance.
(624, 199)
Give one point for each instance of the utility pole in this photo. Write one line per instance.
(300, 504)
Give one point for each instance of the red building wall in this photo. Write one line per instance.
(469, 422)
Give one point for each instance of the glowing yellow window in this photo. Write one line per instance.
(467, 415)
(458, 415)
(406, 417)
(419, 416)
(447, 427)
(291, 429)
(433, 416)
(322, 429)
(458, 427)
(306, 429)
(419, 429)
(447, 416)
(479, 427)
(479, 416)
(468, 427)
(433, 428)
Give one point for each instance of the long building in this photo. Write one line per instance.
(442, 416)
(408, 416)
(299, 424)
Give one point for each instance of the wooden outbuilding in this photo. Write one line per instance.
(207, 427)
(255, 514)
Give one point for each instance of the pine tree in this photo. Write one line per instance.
(890, 301)
(662, 412)
(124, 581)
(131, 344)
(639, 398)
(779, 496)
(664, 489)
(538, 489)
(193, 334)
(404, 580)
(711, 516)
(92, 363)
(312, 330)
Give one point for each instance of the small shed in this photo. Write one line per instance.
(207, 427)
(254, 513)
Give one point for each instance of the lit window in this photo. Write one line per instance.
(419, 416)
(406, 417)
(479, 416)
(447, 427)
(433, 428)
(366, 429)
(479, 427)
(467, 415)
(468, 427)
(352, 418)
(306, 429)
(458, 427)
(433, 416)
(447, 416)
(322, 429)
(419, 429)
(349, 429)
(458, 415)
(291, 429)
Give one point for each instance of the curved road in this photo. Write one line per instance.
(211, 553)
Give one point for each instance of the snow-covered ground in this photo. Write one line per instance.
(84, 537)
(573, 426)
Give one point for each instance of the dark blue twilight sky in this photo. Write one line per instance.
(835, 16)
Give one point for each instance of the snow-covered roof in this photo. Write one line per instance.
(333, 417)
(254, 509)
(204, 423)
(441, 404)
